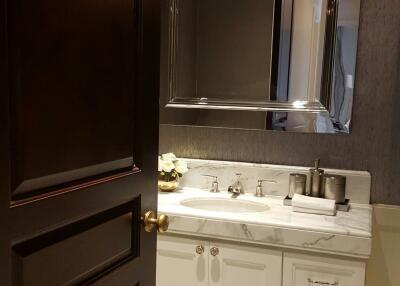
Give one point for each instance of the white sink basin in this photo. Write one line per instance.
(225, 205)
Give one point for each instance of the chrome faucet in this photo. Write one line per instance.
(214, 184)
(259, 190)
(236, 188)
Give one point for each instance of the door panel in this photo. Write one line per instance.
(179, 264)
(79, 84)
(63, 58)
(91, 241)
(235, 265)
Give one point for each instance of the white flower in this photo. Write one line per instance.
(167, 166)
(181, 167)
(168, 157)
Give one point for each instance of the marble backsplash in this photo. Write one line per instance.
(358, 184)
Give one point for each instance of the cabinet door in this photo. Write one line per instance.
(235, 265)
(181, 261)
(307, 270)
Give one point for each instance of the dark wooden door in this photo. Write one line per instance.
(79, 84)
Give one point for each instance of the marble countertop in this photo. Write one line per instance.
(347, 233)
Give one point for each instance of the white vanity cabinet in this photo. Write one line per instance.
(201, 262)
(310, 270)
(183, 262)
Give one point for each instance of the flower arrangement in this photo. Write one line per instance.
(170, 168)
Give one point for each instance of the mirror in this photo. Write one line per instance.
(259, 64)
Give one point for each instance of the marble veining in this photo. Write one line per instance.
(347, 234)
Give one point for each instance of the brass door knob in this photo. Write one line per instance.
(151, 222)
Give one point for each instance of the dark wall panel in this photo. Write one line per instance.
(374, 143)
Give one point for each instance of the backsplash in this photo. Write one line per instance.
(357, 187)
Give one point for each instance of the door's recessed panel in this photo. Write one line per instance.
(72, 79)
(79, 251)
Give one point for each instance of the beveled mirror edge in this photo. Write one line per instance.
(298, 106)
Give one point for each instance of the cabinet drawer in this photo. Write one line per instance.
(306, 270)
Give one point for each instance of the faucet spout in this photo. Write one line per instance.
(236, 189)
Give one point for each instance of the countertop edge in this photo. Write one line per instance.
(292, 238)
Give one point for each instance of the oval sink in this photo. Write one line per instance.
(224, 205)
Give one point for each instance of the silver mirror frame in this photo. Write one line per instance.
(281, 67)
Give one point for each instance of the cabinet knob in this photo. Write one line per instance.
(317, 282)
(199, 249)
(214, 251)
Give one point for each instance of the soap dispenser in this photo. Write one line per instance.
(316, 178)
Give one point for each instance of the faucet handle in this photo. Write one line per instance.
(266, 180)
(259, 189)
(214, 184)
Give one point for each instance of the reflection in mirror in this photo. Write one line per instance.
(223, 49)
(259, 64)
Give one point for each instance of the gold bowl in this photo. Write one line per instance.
(164, 186)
